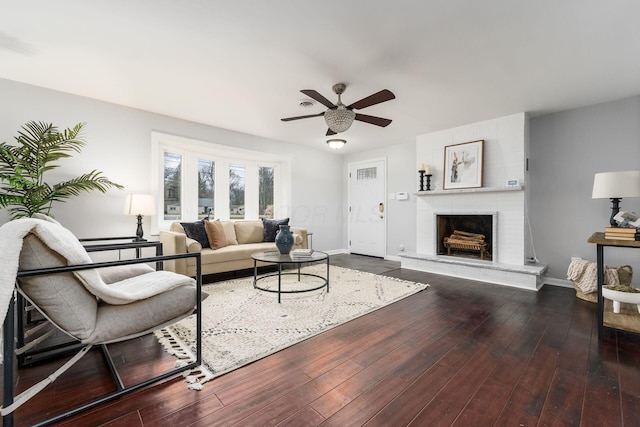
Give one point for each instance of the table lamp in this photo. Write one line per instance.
(139, 205)
(615, 186)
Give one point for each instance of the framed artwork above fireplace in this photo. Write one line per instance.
(463, 164)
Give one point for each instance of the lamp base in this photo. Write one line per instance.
(139, 231)
(615, 208)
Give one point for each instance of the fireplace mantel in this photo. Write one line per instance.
(471, 190)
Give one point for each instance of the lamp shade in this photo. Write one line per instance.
(140, 204)
(610, 185)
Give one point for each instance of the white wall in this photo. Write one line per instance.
(504, 158)
(119, 144)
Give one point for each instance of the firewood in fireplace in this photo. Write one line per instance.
(467, 234)
(464, 240)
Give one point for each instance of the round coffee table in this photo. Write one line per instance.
(274, 257)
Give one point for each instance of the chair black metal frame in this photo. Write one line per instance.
(10, 336)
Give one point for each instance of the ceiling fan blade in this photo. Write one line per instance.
(378, 121)
(376, 98)
(288, 119)
(330, 132)
(321, 99)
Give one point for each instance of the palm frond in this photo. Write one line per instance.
(84, 183)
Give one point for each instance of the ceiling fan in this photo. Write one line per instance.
(339, 117)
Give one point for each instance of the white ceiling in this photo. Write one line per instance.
(241, 64)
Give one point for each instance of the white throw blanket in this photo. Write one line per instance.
(584, 274)
(61, 240)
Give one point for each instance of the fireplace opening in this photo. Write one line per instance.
(469, 236)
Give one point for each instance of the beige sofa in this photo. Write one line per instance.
(244, 237)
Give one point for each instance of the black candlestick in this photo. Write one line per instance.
(421, 172)
(428, 182)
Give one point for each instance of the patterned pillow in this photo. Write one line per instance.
(196, 231)
(271, 228)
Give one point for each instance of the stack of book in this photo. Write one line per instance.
(622, 233)
(298, 254)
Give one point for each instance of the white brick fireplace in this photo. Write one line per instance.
(505, 148)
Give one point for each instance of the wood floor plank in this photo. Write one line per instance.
(299, 398)
(306, 417)
(528, 397)
(404, 407)
(237, 411)
(346, 392)
(563, 405)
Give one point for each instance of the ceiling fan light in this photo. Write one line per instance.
(339, 119)
(336, 144)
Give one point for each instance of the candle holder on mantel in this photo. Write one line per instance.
(423, 174)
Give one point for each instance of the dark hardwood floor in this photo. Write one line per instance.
(459, 353)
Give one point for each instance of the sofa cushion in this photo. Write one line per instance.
(249, 231)
(235, 252)
(215, 234)
(271, 228)
(230, 232)
(195, 230)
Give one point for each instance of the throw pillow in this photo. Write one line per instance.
(271, 228)
(230, 232)
(196, 231)
(249, 231)
(215, 233)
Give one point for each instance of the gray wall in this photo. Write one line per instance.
(566, 150)
(119, 144)
(401, 176)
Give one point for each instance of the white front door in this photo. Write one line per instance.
(367, 208)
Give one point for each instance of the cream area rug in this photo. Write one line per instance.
(241, 324)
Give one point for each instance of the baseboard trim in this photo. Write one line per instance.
(558, 282)
(336, 251)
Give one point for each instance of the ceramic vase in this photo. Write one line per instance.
(284, 240)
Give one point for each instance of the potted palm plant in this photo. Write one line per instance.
(23, 166)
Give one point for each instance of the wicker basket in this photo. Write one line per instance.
(625, 275)
(591, 296)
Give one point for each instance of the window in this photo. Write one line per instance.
(265, 192)
(199, 179)
(172, 185)
(236, 191)
(206, 188)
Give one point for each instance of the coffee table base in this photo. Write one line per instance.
(279, 274)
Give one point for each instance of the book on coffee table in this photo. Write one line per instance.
(301, 253)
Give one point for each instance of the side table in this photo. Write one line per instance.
(609, 320)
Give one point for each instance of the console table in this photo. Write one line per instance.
(599, 240)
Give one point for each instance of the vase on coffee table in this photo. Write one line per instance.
(284, 239)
